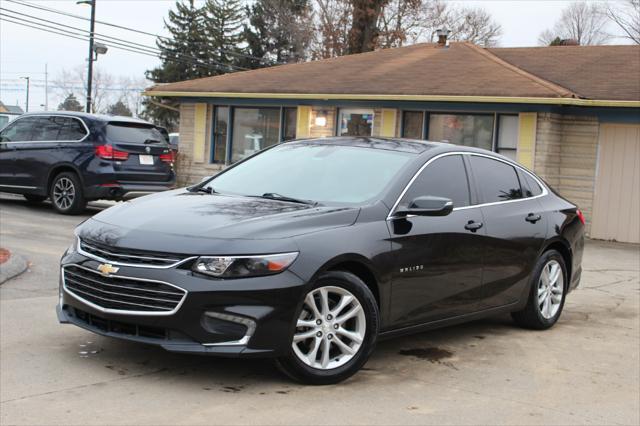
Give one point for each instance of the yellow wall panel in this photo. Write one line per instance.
(388, 123)
(199, 132)
(526, 138)
(303, 124)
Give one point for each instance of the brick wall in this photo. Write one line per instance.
(566, 157)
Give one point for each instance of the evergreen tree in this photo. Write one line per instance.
(119, 108)
(278, 31)
(223, 28)
(70, 103)
(183, 57)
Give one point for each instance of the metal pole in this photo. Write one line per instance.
(26, 106)
(46, 88)
(90, 73)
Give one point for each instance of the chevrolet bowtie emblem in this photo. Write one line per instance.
(107, 269)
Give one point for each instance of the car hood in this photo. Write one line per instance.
(188, 222)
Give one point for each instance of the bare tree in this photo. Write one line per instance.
(583, 22)
(626, 15)
(333, 21)
(474, 25)
(363, 35)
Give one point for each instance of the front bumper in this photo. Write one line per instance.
(198, 326)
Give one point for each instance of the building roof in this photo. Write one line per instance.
(10, 109)
(428, 71)
(593, 72)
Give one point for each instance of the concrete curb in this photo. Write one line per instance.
(13, 267)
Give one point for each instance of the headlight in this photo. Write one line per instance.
(244, 266)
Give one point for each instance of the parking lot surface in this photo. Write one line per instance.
(586, 370)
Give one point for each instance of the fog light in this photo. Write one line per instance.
(248, 323)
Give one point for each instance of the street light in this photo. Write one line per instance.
(92, 3)
(26, 106)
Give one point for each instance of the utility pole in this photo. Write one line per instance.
(46, 88)
(26, 106)
(91, 31)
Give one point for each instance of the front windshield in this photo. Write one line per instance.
(321, 173)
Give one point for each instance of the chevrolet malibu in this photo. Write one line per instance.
(310, 251)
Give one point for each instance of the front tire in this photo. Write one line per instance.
(547, 294)
(335, 332)
(66, 194)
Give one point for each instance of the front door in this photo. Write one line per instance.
(13, 136)
(438, 259)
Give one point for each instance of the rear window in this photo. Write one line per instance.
(136, 133)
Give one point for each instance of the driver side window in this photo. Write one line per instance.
(445, 177)
(19, 131)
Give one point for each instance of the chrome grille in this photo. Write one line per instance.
(129, 257)
(118, 293)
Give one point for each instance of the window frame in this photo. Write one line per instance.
(22, 117)
(473, 186)
(496, 147)
(230, 120)
(338, 123)
(425, 122)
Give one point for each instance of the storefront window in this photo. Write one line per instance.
(289, 125)
(253, 130)
(508, 136)
(219, 150)
(462, 129)
(355, 122)
(412, 124)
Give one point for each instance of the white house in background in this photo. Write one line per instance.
(8, 113)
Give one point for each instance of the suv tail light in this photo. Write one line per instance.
(169, 157)
(106, 152)
(580, 216)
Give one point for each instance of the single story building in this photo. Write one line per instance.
(9, 113)
(569, 113)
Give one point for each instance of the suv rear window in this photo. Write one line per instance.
(136, 133)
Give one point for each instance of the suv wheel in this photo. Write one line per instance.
(66, 194)
(34, 199)
(548, 291)
(335, 332)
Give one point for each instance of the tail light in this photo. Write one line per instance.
(169, 157)
(106, 152)
(580, 216)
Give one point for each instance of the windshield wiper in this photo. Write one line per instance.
(199, 188)
(279, 197)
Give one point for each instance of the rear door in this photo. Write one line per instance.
(515, 225)
(439, 259)
(149, 156)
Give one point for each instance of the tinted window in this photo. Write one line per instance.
(135, 133)
(290, 122)
(445, 177)
(496, 181)
(324, 173)
(412, 124)
(18, 131)
(45, 129)
(529, 185)
(71, 129)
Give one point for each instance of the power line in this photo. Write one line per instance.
(108, 39)
(115, 45)
(49, 9)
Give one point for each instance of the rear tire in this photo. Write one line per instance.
(547, 293)
(34, 199)
(66, 194)
(346, 327)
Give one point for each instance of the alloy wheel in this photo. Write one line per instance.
(550, 289)
(330, 329)
(64, 193)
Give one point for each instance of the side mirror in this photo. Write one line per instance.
(427, 206)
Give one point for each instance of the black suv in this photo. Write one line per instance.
(74, 157)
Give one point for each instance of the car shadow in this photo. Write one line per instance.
(45, 207)
(260, 376)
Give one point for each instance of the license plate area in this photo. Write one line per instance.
(145, 160)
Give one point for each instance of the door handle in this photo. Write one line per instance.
(473, 226)
(533, 218)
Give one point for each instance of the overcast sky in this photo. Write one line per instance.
(25, 51)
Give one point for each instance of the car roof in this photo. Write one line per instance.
(95, 117)
(415, 146)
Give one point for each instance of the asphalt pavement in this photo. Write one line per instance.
(586, 370)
